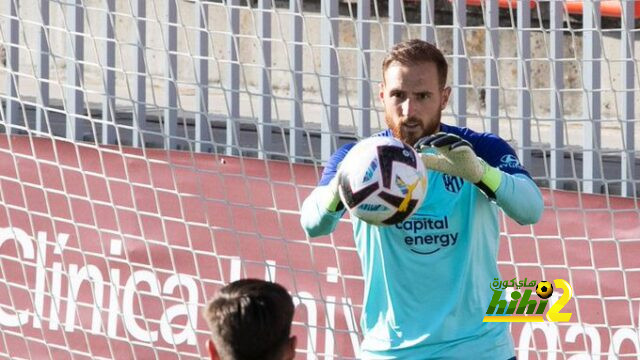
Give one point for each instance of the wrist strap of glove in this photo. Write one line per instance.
(334, 204)
(332, 197)
(490, 180)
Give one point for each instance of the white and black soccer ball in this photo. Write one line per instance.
(382, 181)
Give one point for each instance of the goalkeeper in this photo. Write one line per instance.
(424, 299)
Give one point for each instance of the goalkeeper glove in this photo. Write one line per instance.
(455, 156)
(332, 196)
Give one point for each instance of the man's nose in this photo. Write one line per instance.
(407, 108)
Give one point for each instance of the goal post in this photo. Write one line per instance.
(153, 151)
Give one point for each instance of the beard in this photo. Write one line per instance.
(422, 129)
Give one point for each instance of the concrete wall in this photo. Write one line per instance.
(251, 63)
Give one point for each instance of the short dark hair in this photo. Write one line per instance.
(250, 319)
(416, 51)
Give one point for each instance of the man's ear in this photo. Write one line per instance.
(381, 92)
(445, 97)
(212, 350)
(291, 348)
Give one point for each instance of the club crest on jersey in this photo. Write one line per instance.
(452, 183)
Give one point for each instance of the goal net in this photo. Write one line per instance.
(153, 151)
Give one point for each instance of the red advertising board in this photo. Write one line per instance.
(111, 253)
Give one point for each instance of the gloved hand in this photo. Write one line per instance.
(455, 156)
(332, 196)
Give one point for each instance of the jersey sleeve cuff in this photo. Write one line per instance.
(490, 181)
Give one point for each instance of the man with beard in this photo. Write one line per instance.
(423, 299)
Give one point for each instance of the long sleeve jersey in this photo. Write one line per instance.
(427, 278)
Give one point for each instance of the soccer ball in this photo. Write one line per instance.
(382, 181)
(544, 289)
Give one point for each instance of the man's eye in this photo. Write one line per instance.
(423, 96)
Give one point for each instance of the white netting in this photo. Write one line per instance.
(149, 155)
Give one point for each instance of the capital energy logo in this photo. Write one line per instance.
(523, 302)
(437, 236)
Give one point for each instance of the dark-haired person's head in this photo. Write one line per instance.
(414, 89)
(250, 319)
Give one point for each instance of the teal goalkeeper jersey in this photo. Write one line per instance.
(427, 278)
